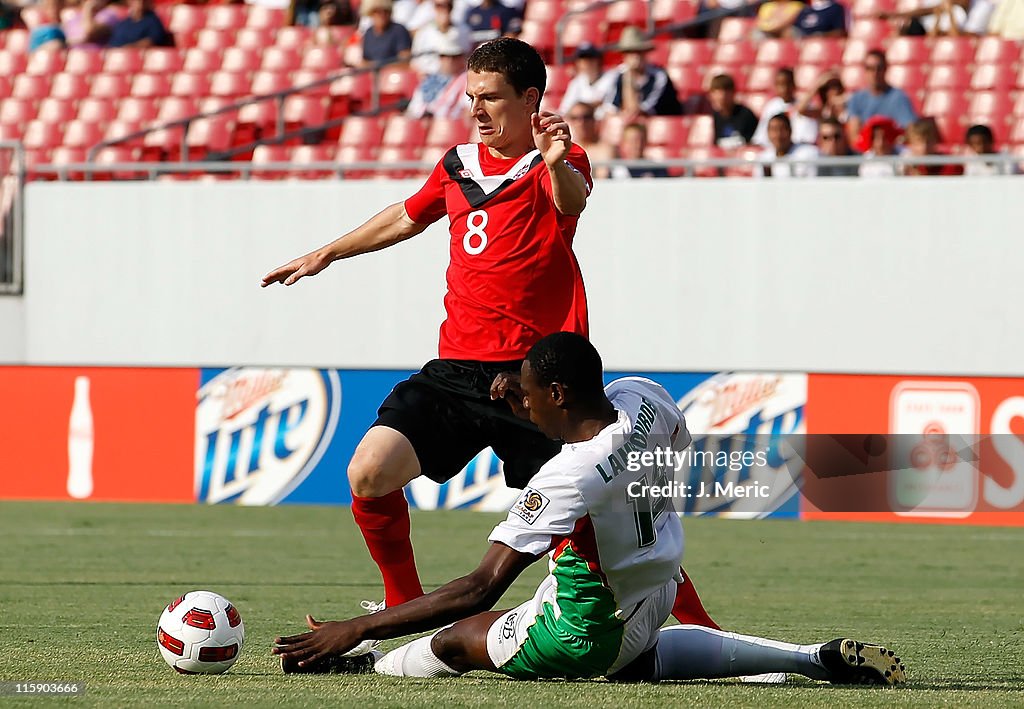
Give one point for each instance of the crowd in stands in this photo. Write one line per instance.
(621, 94)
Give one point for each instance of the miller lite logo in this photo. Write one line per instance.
(260, 432)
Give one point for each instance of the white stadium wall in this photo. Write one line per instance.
(695, 275)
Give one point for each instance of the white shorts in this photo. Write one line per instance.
(554, 652)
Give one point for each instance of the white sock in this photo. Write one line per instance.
(414, 659)
(695, 652)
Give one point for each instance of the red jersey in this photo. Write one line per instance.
(513, 277)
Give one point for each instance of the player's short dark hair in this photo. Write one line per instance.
(520, 64)
(568, 359)
(982, 130)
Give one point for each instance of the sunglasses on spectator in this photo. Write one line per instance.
(829, 136)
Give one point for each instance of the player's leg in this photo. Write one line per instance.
(688, 608)
(691, 652)
(452, 651)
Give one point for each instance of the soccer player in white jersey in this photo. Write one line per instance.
(614, 561)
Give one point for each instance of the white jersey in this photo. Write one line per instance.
(609, 550)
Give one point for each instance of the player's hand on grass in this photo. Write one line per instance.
(551, 136)
(325, 638)
(506, 386)
(308, 265)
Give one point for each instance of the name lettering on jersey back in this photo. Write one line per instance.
(637, 441)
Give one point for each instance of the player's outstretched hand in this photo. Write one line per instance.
(551, 136)
(506, 386)
(308, 265)
(325, 638)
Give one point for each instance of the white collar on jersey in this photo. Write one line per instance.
(469, 154)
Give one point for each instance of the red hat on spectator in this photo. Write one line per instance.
(867, 131)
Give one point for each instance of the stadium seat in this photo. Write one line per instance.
(18, 112)
(85, 62)
(117, 129)
(405, 131)
(71, 86)
(1016, 135)
(350, 93)
(446, 132)
(687, 80)
(735, 29)
(12, 63)
(158, 60)
(97, 110)
(702, 132)
(390, 154)
(825, 52)
(257, 38)
(558, 78)
(541, 36)
(348, 154)
(671, 131)
(691, 53)
(263, 17)
(990, 103)
(190, 84)
(853, 77)
(775, 53)
(944, 102)
(756, 101)
(739, 54)
(397, 85)
(255, 120)
(948, 76)
(226, 17)
(162, 145)
(871, 8)
(31, 87)
(626, 13)
(361, 130)
(953, 50)
(304, 112)
(294, 37)
(873, 32)
(17, 41)
(993, 77)
(670, 12)
(206, 136)
(908, 77)
(322, 59)
(122, 60)
(5, 86)
(137, 109)
(42, 135)
(267, 154)
(229, 84)
(215, 40)
(544, 11)
(996, 50)
(578, 30)
(107, 85)
(303, 77)
(116, 155)
(11, 131)
(806, 76)
(950, 128)
(82, 134)
(45, 63)
(307, 154)
(59, 110)
(707, 152)
(1018, 106)
(762, 78)
(201, 61)
(175, 108)
(151, 86)
(69, 155)
(907, 50)
(239, 60)
(269, 82)
(280, 59)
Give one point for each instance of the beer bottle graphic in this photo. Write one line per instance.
(80, 442)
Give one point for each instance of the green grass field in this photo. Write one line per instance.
(82, 586)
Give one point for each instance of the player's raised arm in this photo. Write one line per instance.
(387, 228)
(551, 136)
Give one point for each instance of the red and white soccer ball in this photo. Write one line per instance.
(200, 633)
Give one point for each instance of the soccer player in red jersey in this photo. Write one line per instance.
(513, 201)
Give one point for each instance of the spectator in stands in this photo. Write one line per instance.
(48, 35)
(775, 17)
(826, 100)
(331, 14)
(590, 85)
(821, 18)
(980, 141)
(734, 123)
(141, 28)
(633, 146)
(930, 17)
(90, 24)
(922, 139)
(780, 158)
(384, 40)
(10, 15)
(322, 13)
(637, 87)
(832, 143)
(805, 130)
(489, 20)
(439, 32)
(878, 138)
(442, 93)
(582, 120)
(879, 98)
(414, 15)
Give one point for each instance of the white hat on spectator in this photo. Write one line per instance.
(448, 47)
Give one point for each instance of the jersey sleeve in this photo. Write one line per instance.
(428, 204)
(578, 162)
(545, 513)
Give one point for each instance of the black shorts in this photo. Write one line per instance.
(446, 412)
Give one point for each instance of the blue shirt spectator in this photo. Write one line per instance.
(142, 28)
(384, 40)
(878, 99)
(489, 20)
(821, 18)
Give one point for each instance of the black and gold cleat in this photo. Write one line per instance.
(334, 665)
(852, 662)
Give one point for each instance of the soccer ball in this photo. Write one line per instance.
(200, 633)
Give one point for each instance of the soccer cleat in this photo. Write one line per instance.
(366, 646)
(334, 665)
(852, 662)
(767, 678)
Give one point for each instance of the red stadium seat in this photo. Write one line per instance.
(68, 155)
(348, 154)
(215, 40)
(806, 76)
(756, 101)
(86, 62)
(996, 50)
(45, 63)
(208, 135)
(11, 131)
(268, 154)
(17, 41)
(122, 60)
(59, 110)
(201, 60)
(31, 87)
(874, 32)
(361, 130)
(280, 59)
(350, 93)
(671, 131)
(303, 77)
(872, 8)
(186, 19)
(266, 17)
(541, 36)
(558, 79)
(777, 52)
(110, 86)
(950, 129)
(990, 103)
(762, 78)
(5, 86)
(188, 84)
(151, 86)
(544, 11)
(295, 37)
(176, 108)
(404, 131)
(948, 76)
(687, 80)
(821, 51)
(257, 38)
(71, 86)
(116, 155)
(396, 85)
(117, 129)
(994, 77)
(390, 154)
(953, 50)
(18, 112)
(304, 111)
(307, 154)
(34, 16)
(735, 54)
(239, 60)
(578, 30)
(322, 59)
(702, 132)
(229, 84)
(626, 13)
(707, 152)
(853, 77)
(97, 110)
(226, 17)
(693, 53)
(735, 29)
(1018, 105)
(855, 51)
(908, 77)
(41, 135)
(1017, 132)
(81, 134)
(446, 132)
(137, 110)
(670, 12)
(907, 50)
(269, 82)
(255, 120)
(943, 103)
(158, 60)
(12, 63)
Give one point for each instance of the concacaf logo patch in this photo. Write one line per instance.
(530, 505)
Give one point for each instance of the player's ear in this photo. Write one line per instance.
(557, 394)
(532, 98)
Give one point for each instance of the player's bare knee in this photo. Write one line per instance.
(448, 646)
(366, 473)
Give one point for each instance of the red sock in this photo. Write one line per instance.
(688, 609)
(384, 522)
